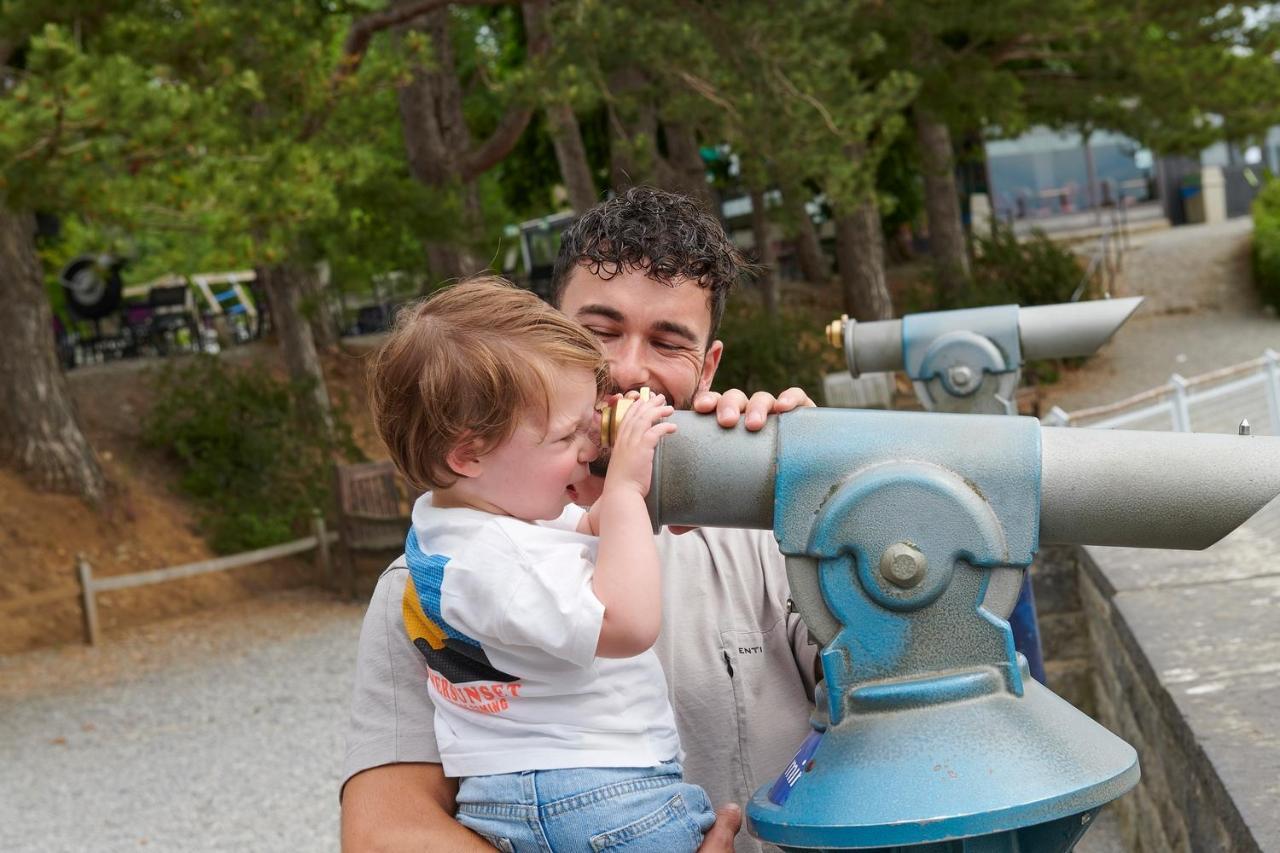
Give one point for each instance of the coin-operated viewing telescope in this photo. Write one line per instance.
(906, 536)
(970, 360)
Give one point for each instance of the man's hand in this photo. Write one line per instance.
(731, 405)
(719, 839)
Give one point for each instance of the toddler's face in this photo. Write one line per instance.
(536, 473)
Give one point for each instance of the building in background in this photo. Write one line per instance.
(1049, 178)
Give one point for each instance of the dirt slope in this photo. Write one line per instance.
(146, 524)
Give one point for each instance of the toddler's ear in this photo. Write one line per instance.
(464, 458)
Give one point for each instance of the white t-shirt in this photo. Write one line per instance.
(504, 613)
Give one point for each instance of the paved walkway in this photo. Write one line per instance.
(1201, 314)
(220, 731)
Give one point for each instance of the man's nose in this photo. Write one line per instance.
(627, 364)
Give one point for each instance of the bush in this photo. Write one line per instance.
(251, 453)
(771, 354)
(1266, 243)
(1034, 271)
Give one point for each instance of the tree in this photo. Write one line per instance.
(562, 122)
(1174, 75)
(218, 123)
(55, 125)
(631, 57)
(797, 97)
(785, 92)
(766, 258)
(798, 225)
(40, 436)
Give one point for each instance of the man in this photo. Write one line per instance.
(648, 273)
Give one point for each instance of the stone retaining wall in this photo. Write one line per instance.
(1176, 652)
(1064, 634)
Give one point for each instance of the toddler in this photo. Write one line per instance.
(535, 618)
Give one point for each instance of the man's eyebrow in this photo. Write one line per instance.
(606, 311)
(678, 329)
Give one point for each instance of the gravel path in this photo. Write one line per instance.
(220, 731)
(1201, 314)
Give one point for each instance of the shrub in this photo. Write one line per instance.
(771, 354)
(1035, 271)
(1266, 243)
(1032, 271)
(251, 453)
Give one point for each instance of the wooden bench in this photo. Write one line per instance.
(374, 508)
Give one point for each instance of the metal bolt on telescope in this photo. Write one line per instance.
(906, 536)
(970, 360)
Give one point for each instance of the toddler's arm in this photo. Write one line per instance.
(628, 578)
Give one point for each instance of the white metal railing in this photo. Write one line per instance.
(1212, 402)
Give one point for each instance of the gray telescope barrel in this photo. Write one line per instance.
(1073, 328)
(707, 476)
(1152, 489)
(877, 345)
(1044, 331)
(1098, 487)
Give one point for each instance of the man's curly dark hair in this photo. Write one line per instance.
(667, 235)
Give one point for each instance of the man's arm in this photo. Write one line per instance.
(403, 807)
(395, 795)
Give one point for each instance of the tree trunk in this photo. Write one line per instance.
(562, 124)
(441, 152)
(435, 135)
(315, 305)
(40, 437)
(942, 202)
(685, 171)
(633, 131)
(766, 257)
(813, 264)
(566, 138)
(860, 254)
(284, 285)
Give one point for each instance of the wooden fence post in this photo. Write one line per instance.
(324, 560)
(88, 601)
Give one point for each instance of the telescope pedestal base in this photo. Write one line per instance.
(996, 774)
(1059, 836)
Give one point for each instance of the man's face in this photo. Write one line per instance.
(653, 334)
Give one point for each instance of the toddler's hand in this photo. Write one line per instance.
(631, 460)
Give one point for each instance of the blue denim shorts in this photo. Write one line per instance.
(631, 809)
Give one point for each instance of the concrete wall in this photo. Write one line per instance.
(1179, 654)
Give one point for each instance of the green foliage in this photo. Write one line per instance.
(1030, 271)
(1034, 271)
(251, 453)
(193, 135)
(764, 353)
(1266, 242)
